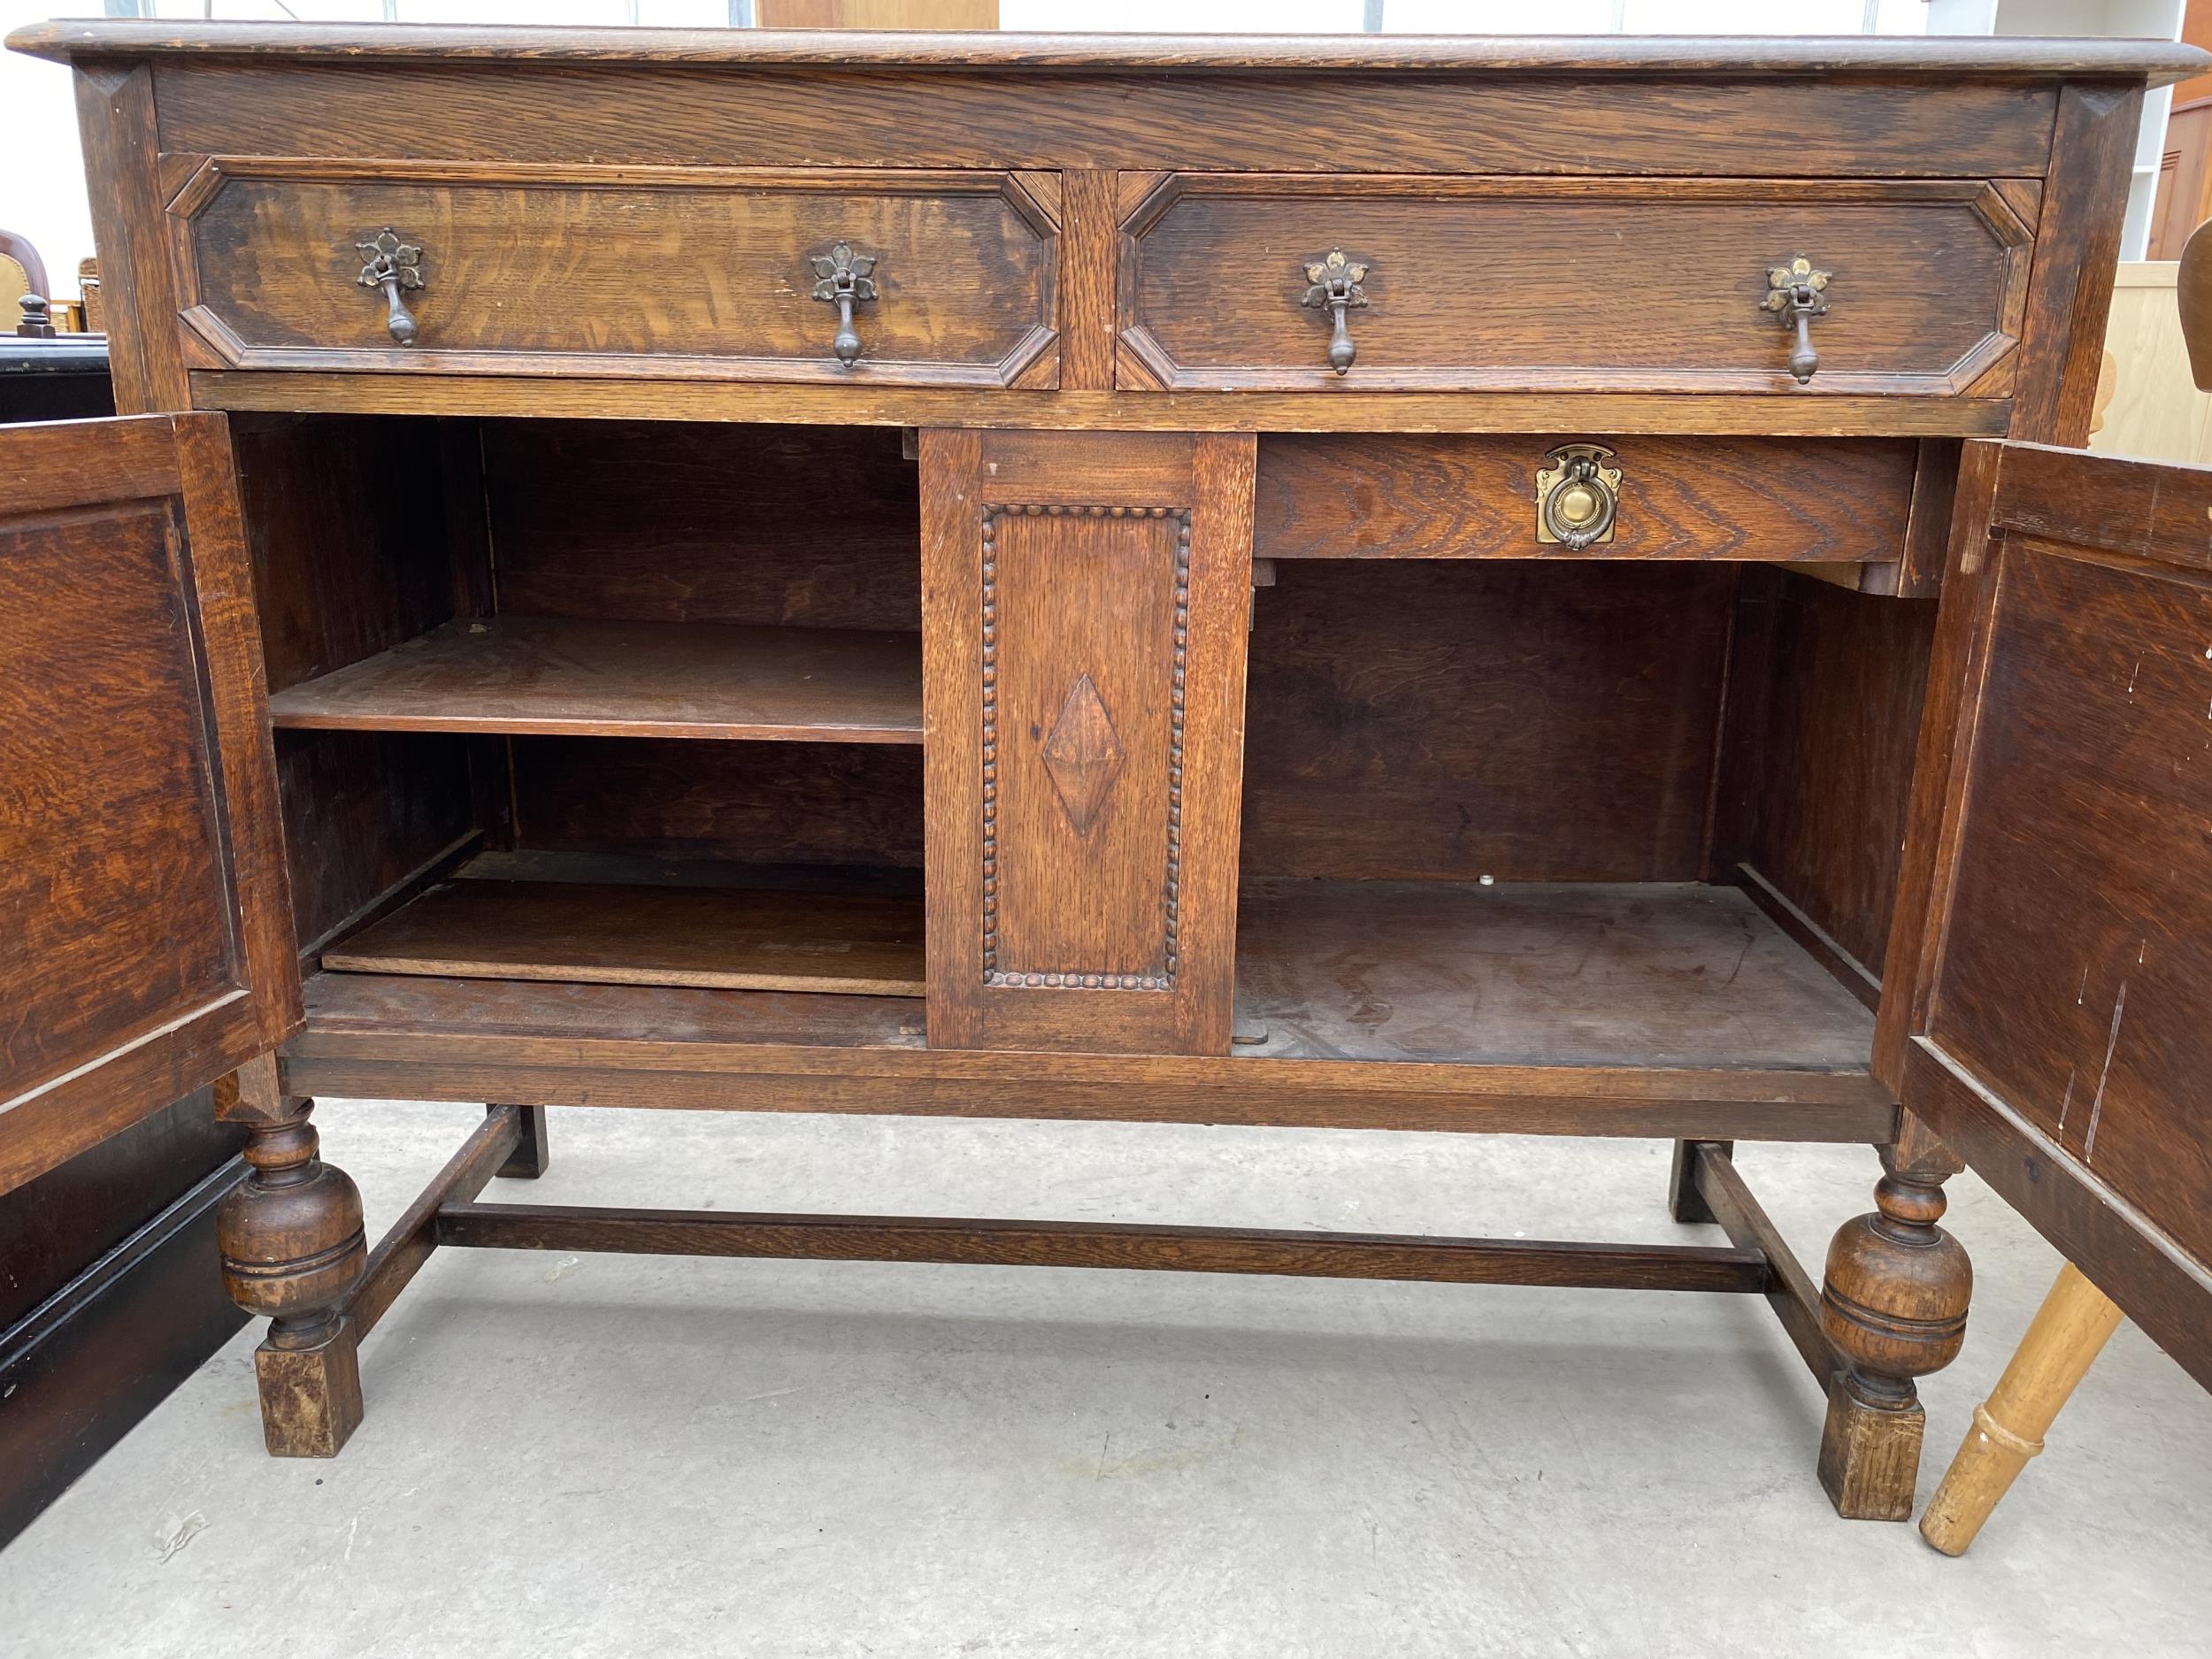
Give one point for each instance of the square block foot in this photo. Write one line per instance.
(1870, 1458)
(310, 1397)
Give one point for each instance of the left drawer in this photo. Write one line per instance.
(889, 277)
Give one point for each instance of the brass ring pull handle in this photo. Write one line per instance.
(1578, 497)
(1796, 294)
(1336, 289)
(394, 267)
(844, 279)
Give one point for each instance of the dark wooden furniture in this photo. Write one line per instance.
(109, 1296)
(1440, 634)
(65, 378)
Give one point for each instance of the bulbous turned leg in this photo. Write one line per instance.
(293, 1248)
(1893, 1303)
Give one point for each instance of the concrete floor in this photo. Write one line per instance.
(572, 1457)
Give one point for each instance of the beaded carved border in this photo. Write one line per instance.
(1079, 978)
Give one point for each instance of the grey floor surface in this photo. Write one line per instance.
(611, 1455)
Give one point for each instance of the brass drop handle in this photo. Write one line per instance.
(1578, 497)
(1796, 294)
(1336, 287)
(845, 279)
(395, 266)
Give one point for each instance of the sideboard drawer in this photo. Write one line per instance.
(1658, 285)
(948, 279)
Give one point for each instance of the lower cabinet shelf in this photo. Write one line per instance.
(1674, 974)
(1635, 1009)
(616, 933)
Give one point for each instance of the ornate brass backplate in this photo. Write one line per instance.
(1578, 497)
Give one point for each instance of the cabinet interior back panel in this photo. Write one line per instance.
(1529, 722)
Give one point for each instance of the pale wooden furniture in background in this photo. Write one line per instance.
(879, 14)
(2069, 1332)
(2156, 410)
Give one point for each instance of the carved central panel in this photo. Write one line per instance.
(1086, 633)
(1082, 753)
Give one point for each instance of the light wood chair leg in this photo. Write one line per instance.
(2068, 1333)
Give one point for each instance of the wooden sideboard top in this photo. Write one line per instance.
(2160, 62)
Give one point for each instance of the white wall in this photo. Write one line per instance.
(42, 181)
(41, 184)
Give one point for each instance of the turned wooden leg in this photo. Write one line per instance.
(2069, 1332)
(293, 1248)
(531, 1153)
(1685, 1203)
(1893, 1303)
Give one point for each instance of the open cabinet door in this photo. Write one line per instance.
(145, 934)
(2055, 916)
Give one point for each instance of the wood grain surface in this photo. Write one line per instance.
(1790, 1289)
(1749, 414)
(1821, 759)
(1112, 119)
(1658, 975)
(1486, 284)
(1403, 495)
(1518, 719)
(357, 545)
(2091, 787)
(1943, 58)
(109, 768)
(663, 521)
(727, 938)
(143, 909)
(2055, 1033)
(377, 1036)
(349, 530)
(561, 677)
(660, 272)
(1086, 604)
(800, 803)
(1128, 1247)
(2092, 150)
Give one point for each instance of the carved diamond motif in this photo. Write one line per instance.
(1083, 755)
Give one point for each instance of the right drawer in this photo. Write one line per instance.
(1602, 285)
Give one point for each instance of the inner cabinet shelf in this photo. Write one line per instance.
(622, 933)
(1659, 974)
(550, 676)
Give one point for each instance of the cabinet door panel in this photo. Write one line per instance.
(145, 941)
(2059, 1032)
(1086, 601)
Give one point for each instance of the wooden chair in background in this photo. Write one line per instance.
(21, 272)
(2075, 1319)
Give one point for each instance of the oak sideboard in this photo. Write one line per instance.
(1460, 585)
